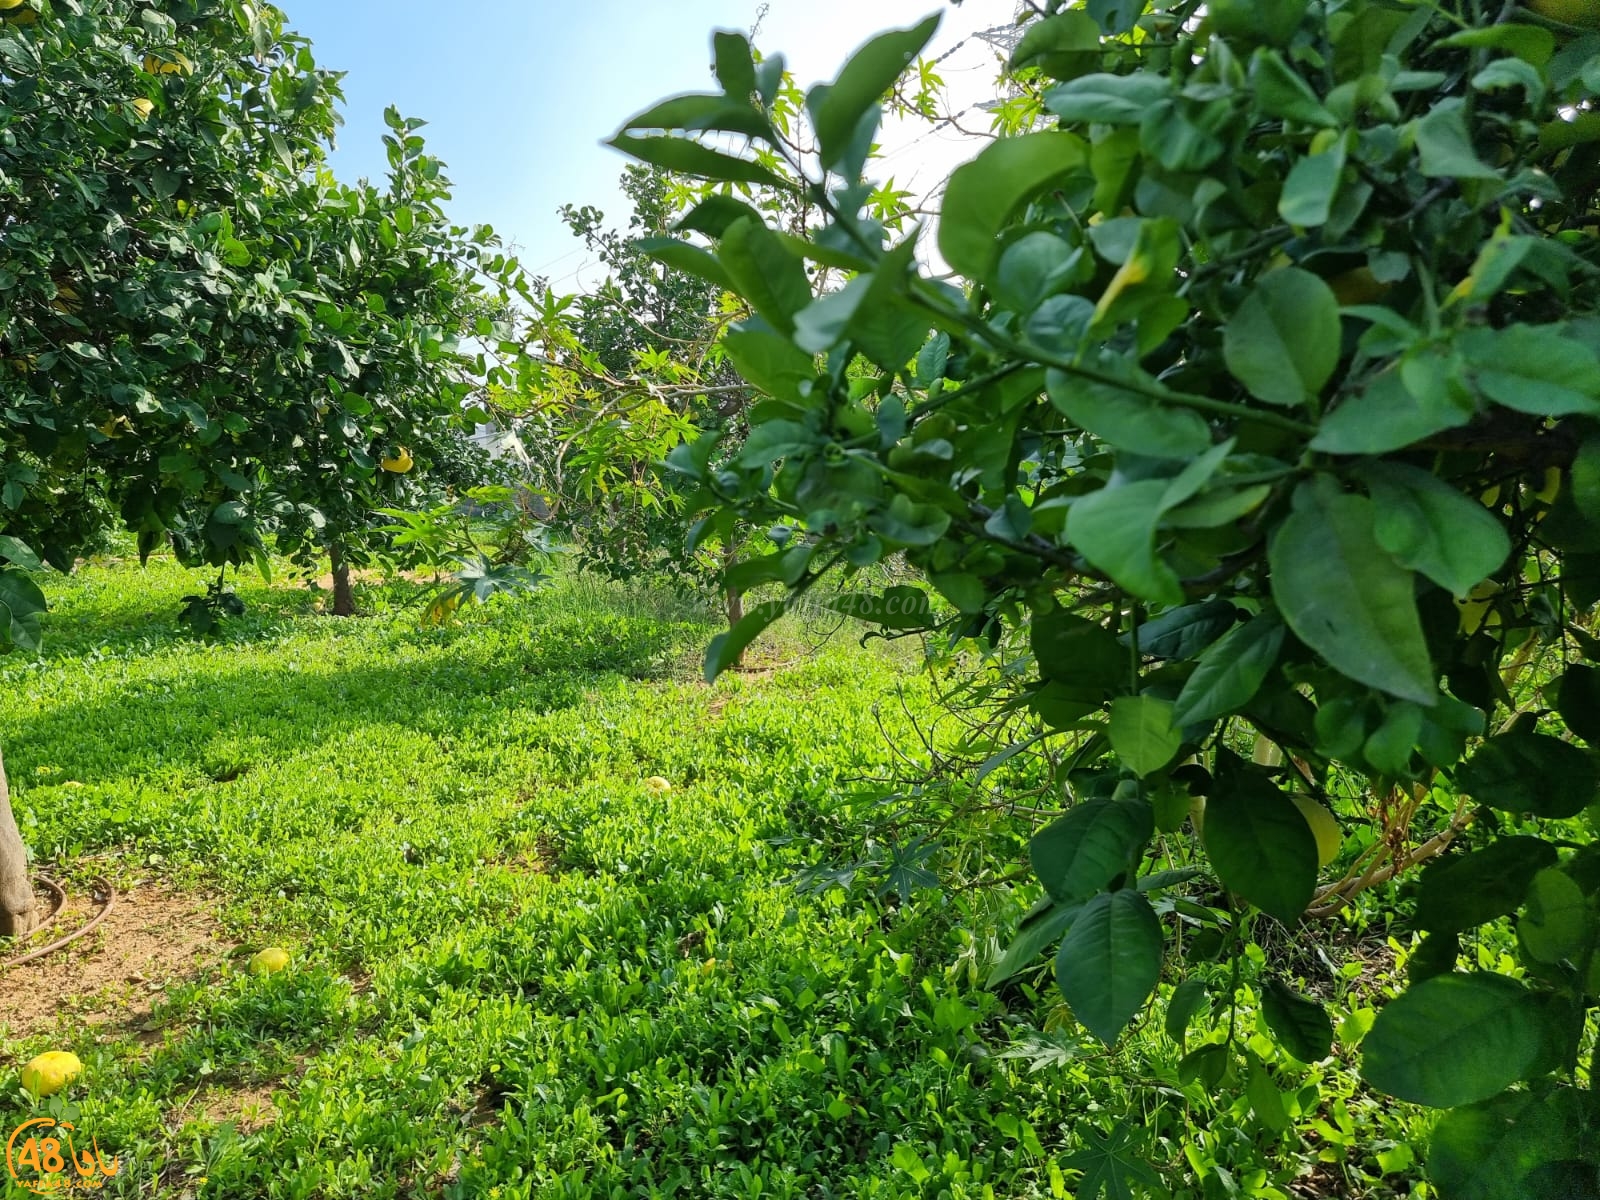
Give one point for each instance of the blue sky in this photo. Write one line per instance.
(519, 94)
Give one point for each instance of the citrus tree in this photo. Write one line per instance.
(203, 337)
(1263, 401)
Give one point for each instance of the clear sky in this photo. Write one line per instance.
(519, 94)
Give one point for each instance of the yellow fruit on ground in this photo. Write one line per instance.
(658, 785)
(269, 961)
(1585, 14)
(399, 464)
(50, 1072)
(1323, 827)
(144, 108)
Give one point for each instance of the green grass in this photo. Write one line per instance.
(518, 973)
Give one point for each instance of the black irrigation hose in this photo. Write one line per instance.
(59, 943)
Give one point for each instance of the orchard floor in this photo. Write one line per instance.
(517, 971)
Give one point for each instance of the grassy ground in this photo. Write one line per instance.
(516, 971)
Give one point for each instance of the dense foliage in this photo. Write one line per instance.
(1269, 412)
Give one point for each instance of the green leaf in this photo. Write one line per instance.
(21, 606)
(1097, 841)
(1301, 1025)
(1142, 733)
(1452, 1040)
(1309, 191)
(1383, 417)
(1062, 46)
(1345, 597)
(1283, 343)
(1533, 773)
(772, 363)
(686, 257)
(1260, 844)
(909, 523)
(1265, 1098)
(1110, 1163)
(735, 65)
(1115, 529)
(1578, 701)
(16, 551)
(1182, 1006)
(1127, 420)
(1074, 649)
(1445, 146)
(870, 72)
(902, 607)
(1231, 671)
(763, 271)
(1496, 1150)
(714, 214)
(1533, 369)
(726, 648)
(699, 112)
(1554, 924)
(1108, 99)
(1281, 92)
(691, 158)
(1109, 961)
(1530, 43)
(1432, 528)
(1038, 930)
(1467, 890)
(1184, 632)
(983, 194)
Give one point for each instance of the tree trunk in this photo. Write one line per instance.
(19, 914)
(344, 600)
(733, 601)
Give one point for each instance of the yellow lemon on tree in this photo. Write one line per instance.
(658, 785)
(6, 5)
(399, 464)
(1323, 827)
(50, 1072)
(269, 961)
(1585, 14)
(178, 64)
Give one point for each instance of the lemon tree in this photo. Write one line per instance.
(1256, 393)
(204, 336)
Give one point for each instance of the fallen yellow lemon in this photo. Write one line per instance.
(50, 1072)
(658, 785)
(399, 464)
(269, 961)
(1323, 827)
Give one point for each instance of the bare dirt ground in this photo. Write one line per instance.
(151, 939)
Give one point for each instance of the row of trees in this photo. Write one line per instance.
(204, 336)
